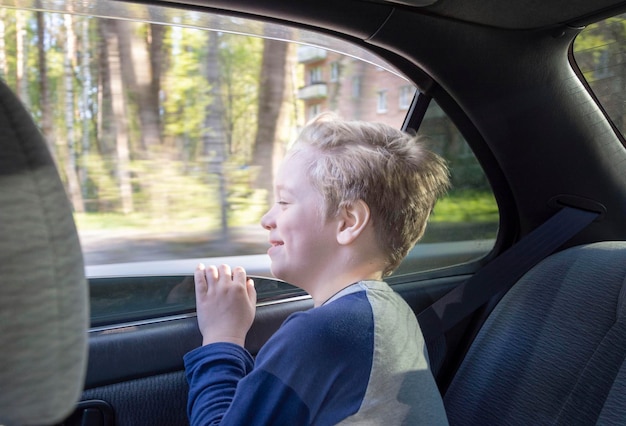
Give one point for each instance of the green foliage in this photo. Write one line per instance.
(240, 61)
(168, 200)
(191, 202)
(466, 174)
(247, 204)
(599, 53)
(185, 90)
(466, 206)
(173, 188)
(594, 43)
(103, 193)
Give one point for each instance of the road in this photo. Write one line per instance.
(105, 247)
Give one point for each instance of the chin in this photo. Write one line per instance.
(283, 275)
(276, 272)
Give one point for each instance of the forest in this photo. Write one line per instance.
(170, 127)
(146, 120)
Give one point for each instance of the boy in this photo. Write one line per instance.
(352, 198)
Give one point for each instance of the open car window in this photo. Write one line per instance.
(167, 125)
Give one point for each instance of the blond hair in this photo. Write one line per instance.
(390, 170)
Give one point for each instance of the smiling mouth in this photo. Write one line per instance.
(274, 244)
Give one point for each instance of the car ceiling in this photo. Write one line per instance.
(524, 14)
(506, 14)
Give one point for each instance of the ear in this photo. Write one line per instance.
(353, 219)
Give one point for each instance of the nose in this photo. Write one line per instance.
(267, 221)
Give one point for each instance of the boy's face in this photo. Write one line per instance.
(302, 239)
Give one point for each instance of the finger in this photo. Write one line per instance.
(225, 274)
(251, 291)
(239, 275)
(211, 274)
(200, 280)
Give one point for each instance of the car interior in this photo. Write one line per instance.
(525, 327)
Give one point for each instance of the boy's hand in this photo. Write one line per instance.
(225, 302)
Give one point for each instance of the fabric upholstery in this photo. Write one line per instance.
(43, 291)
(140, 401)
(538, 342)
(614, 410)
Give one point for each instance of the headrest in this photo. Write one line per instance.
(43, 292)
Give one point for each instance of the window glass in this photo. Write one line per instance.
(334, 71)
(381, 105)
(315, 75)
(599, 54)
(356, 87)
(314, 110)
(167, 134)
(406, 96)
(464, 224)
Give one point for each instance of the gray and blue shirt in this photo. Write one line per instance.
(359, 358)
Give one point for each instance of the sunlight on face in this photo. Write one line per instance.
(301, 239)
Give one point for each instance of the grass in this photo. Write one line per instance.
(143, 222)
(466, 206)
(457, 208)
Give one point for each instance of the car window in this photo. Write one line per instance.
(599, 54)
(167, 126)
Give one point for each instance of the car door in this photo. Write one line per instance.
(167, 162)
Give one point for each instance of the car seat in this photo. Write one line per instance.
(43, 291)
(552, 351)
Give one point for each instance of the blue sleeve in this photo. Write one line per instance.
(313, 370)
(325, 355)
(225, 390)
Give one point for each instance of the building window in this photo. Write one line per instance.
(314, 110)
(381, 105)
(406, 96)
(315, 75)
(334, 71)
(356, 87)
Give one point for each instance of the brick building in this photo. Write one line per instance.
(353, 88)
(357, 89)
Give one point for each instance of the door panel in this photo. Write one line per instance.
(138, 369)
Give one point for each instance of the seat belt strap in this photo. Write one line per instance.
(503, 272)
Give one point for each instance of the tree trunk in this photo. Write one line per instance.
(4, 67)
(21, 56)
(105, 123)
(271, 94)
(214, 139)
(47, 127)
(73, 185)
(118, 104)
(145, 44)
(85, 72)
(145, 81)
(157, 60)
